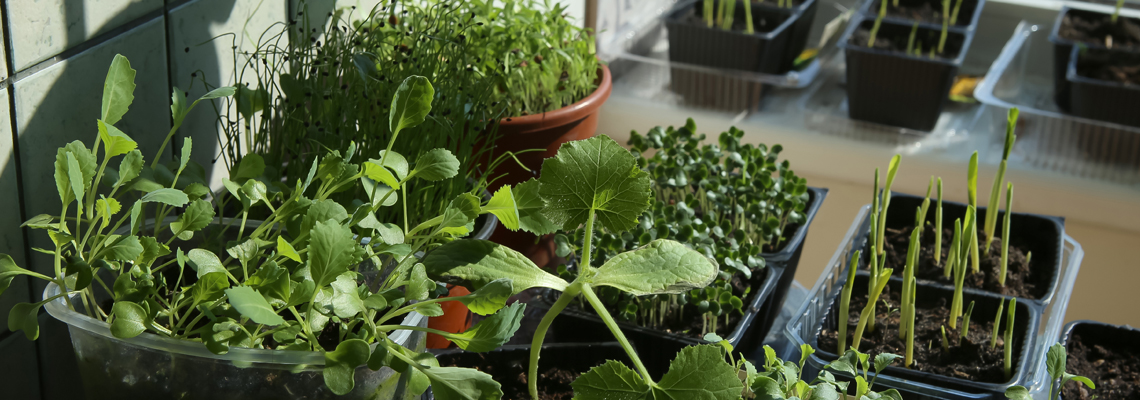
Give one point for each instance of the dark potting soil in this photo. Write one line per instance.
(693, 324)
(970, 358)
(761, 23)
(1021, 280)
(1110, 66)
(1115, 371)
(895, 38)
(553, 381)
(926, 11)
(1097, 28)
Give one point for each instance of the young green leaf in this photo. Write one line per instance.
(118, 90)
(332, 250)
(251, 166)
(8, 271)
(340, 365)
(115, 141)
(502, 205)
(662, 266)
(204, 262)
(286, 249)
(454, 383)
(461, 211)
(481, 261)
(530, 206)
(168, 196)
(252, 305)
(610, 381)
(411, 104)
(342, 295)
(395, 162)
(123, 248)
(130, 319)
(489, 298)
(75, 177)
(374, 171)
(1018, 393)
(197, 216)
(210, 287)
(1055, 360)
(129, 167)
(24, 317)
(436, 165)
(596, 176)
(491, 332)
(700, 372)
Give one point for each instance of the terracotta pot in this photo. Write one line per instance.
(455, 318)
(548, 131)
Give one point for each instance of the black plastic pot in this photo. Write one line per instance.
(1045, 238)
(1062, 53)
(967, 16)
(1099, 99)
(1026, 326)
(804, 16)
(572, 356)
(1112, 337)
(893, 88)
(769, 289)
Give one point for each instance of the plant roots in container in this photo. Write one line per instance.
(560, 365)
(1090, 29)
(1105, 85)
(970, 366)
(888, 86)
(1109, 355)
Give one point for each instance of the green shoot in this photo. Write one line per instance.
(954, 15)
(1008, 345)
(997, 325)
(868, 312)
(910, 324)
(945, 342)
(728, 11)
(910, 40)
(906, 319)
(875, 28)
(968, 233)
(845, 305)
(874, 232)
(966, 320)
(955, 248)
(925, 206)
(748, 17)
(945, 25)
(972, 181)
(892, 169)
(995, 192)
(720, 12)
(709, 11)
(1055, 364)
(938, 227)
(1028, 257)
(1116, 12)
(1005, 233)
(895, 3)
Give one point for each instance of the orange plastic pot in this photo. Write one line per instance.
(455, 318)
(548, 131)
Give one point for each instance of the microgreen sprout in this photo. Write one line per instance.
(879, 225)
(1116, 11)
(1055, 360)
(972, 181)
(955, 248)
(845, 304)
(868, 313)
(878, 23)
(906, 319)
(945, 25)
(709, 12)
(1005, 233)
(997, 324)
(969, 232)
(966, 320)
(1008, 345)
(995, 192)
(938, 226)
(850, 363)
(726, 13)
(910, 40)
(945, 342)
(748, 28)
(911, 315)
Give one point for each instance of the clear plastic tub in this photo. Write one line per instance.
(1047, 138)
(804, 324)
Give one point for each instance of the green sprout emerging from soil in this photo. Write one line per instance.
(1116, 11)
(1055, 360)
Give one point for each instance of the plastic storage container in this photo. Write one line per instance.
(149, 366)
(804, 324)
(1047, 138)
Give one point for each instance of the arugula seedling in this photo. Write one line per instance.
(709, 11)
(878, 23)
(596, 181)
(1055, 358)
(1005, 233)
(850, 362)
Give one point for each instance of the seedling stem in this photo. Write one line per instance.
(748, 17)
(938, 226)
(845, 305)
(1008, 345)
(1005, 233)
(868, 312)
(966, 320)
(1116, 12)
(997, 324)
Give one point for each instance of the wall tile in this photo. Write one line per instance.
(59, 370)
(3, 51)
(44, 28)
(11, 236)
(193, 24)
(19, 371)
(60, 104)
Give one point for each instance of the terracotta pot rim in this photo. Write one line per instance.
(578, 110)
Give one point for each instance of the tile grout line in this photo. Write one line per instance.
(175, 145)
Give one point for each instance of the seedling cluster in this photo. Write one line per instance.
(949, 18)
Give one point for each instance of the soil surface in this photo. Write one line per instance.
(1098, 28)
(1020, 278)
(553, 381)
(1110, 66)
(970, 358)
(761, 22)
(896, 38)
(926, 11)
(1115, 371)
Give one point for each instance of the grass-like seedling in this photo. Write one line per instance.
(1008, 345)
(966, 320)
(968, 234)
(910, 40)
(878, 23)
(945, 25)
(1055, 360)
(868, 313)
(938, 226)
(1116, 11)
(726, 13)
(997, 324)
(1005, 233)
(972, 188)
(845, 303)
(879, 224)
(995, 192)
(945, 342)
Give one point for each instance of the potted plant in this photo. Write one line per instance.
(306, 304)
(508, 366)
(760, 37)
(737, 203)
(961, 14)
(1077, 27)
(1101, 81)
(1056, 359)
(900, 73)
